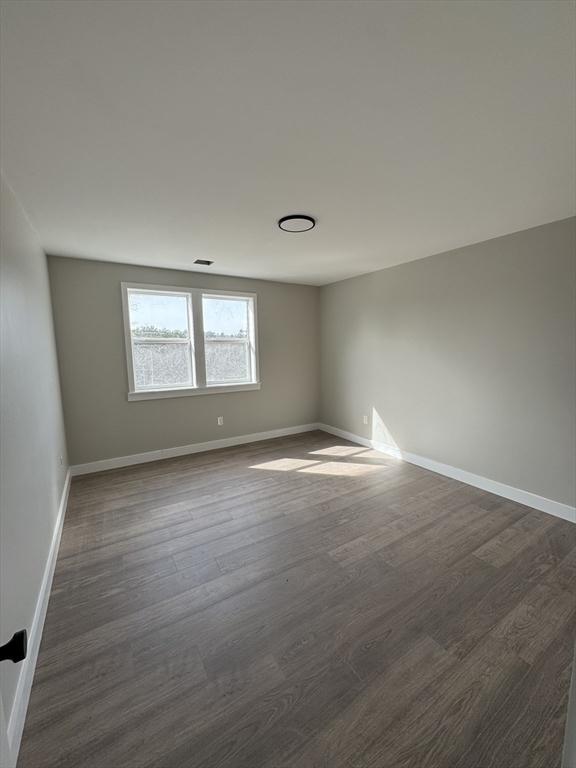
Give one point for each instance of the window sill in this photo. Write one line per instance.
(217, 389)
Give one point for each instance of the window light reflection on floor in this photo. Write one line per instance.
(317, 467)
(338, 450)
(343, 469)
(285, 465)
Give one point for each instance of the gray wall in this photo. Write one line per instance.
(466, 357)
(102, 424)
(32, 430)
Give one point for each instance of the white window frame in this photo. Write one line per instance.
(197, 349)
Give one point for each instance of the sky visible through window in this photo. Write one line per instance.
(228, 317)
(225, 317)
(150, 310)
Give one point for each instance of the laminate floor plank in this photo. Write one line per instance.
(382, 637)
(98, 575)
(542, 615)
(524, 728)
(436, 729)
(515, 580)
(302, 603)
(374, 710)
(451, 537)
(108, 601)
(502, 548)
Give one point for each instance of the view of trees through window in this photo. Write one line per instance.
(153, 331)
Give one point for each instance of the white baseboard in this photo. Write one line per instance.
(183, 450)
(556, 508)
(17, 716)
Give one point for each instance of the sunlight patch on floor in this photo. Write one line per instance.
(338, 450)
(343, 469)
(285, 465)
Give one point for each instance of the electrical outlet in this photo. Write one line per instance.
(365, 419)
(61, 460)
(220, 421)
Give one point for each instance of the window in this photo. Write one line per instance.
(161, 331)
(187, 342)
(227, 344)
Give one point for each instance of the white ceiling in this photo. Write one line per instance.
(160, 132)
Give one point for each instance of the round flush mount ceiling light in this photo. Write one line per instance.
(297, 223)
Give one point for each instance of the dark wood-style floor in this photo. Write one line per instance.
(299, 603)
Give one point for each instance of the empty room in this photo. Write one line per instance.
(288, 384)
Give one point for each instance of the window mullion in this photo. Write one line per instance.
(198, 326)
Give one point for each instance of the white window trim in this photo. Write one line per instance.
(196, 320)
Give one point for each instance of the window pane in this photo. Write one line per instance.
(226, 339)
(225, 318)
(227, 361)
(158, 316)
(158, 365)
